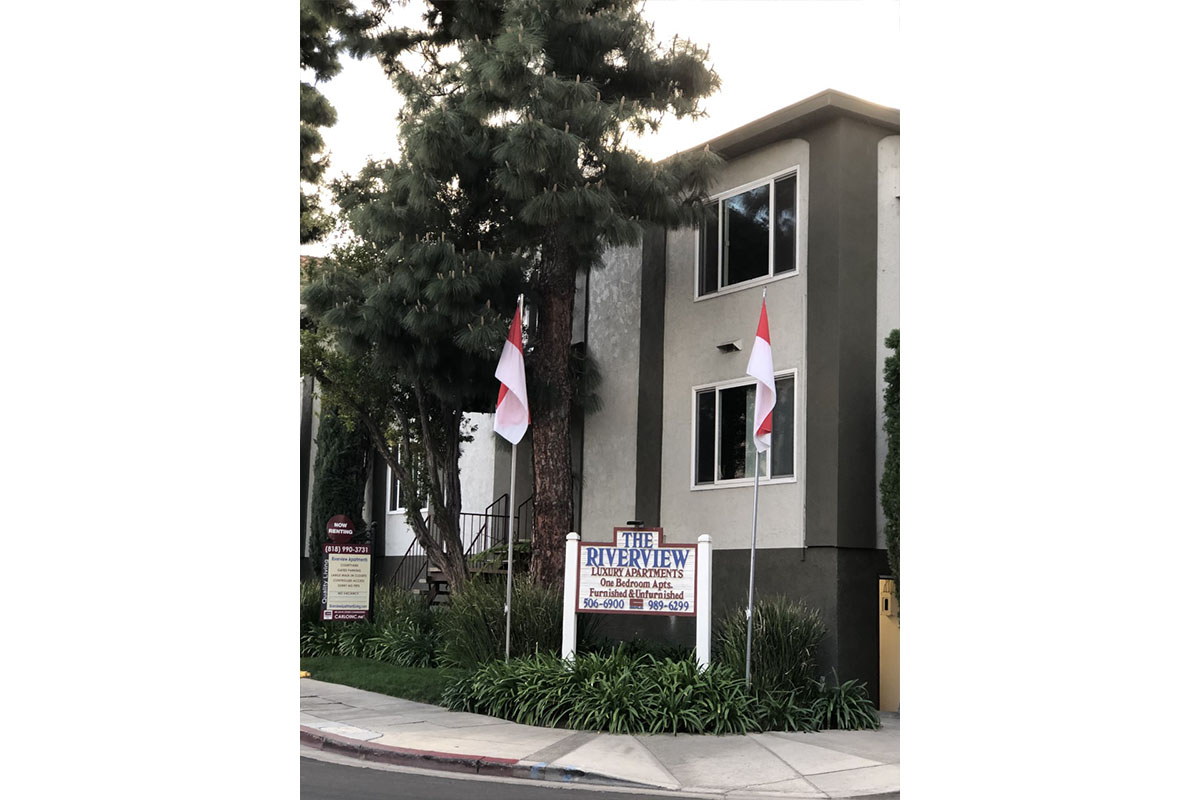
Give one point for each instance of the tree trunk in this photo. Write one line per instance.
(553, 512)
(444, 517)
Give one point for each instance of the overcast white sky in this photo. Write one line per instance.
(769, 54)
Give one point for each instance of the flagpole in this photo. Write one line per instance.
(753, 542)
(512, 511)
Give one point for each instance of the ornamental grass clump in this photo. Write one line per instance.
(473, 625)
(310, 602)
(784, 648)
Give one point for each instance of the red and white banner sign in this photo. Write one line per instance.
(512, 406)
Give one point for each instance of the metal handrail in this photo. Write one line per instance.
(524, 521)
(490, 528)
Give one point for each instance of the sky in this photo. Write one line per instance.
(768, 53)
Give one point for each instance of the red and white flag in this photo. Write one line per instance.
(762, 369)
(512, 406)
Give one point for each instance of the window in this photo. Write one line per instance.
(748, 234)
(724, 418)
(396, 499)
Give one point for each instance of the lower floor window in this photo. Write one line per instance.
(725, 439)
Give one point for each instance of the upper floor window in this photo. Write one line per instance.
(749, 233)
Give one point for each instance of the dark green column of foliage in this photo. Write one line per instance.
(889, 486)
(340, 478)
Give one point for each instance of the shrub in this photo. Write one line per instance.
(634, 647)
(615, 692)
(784, 648)
(396, 604)
(404, 643)
(318, 639)
(472, 626)
(845, 706)
(354, 639)
(310, 602)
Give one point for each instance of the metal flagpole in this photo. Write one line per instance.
(512, 510)
(753, 541)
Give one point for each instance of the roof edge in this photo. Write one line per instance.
(798, 117)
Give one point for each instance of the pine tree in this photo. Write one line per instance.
(543, 94)
(327, 29)
(410, 315)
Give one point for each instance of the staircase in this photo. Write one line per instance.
(483, 532)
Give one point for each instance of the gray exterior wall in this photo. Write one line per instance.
(692, 330)
(611, 435)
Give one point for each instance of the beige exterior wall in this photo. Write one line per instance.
(693, 329)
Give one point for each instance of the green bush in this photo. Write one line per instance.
(310, 602)
(354, 639)
(784, 647)
(616, 692)
(404, 643)
(634, 647)
(318, 639)
(404, 631)
(845, 706)
(472, 626)
(396, 604)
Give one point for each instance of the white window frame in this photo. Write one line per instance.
(797, 405)
(800, 256)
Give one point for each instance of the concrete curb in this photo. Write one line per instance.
(456, 762)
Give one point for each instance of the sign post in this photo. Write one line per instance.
(704, 601)
(570, 589)
(346, 579)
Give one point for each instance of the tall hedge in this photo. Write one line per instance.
(889, 485)
(340, 476)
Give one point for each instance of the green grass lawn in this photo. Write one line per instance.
(411, 683)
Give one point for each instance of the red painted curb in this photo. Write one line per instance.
(393, 754)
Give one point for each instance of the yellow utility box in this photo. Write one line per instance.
(889, 647)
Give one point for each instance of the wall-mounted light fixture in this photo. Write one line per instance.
(729, 347)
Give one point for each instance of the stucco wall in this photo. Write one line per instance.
(887, 292)
(610, 435)
(693, 329)
(475, 474)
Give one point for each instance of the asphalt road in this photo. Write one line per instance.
(326, 780)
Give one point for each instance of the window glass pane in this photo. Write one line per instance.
(747, 234)
(737, 412)
(751, 450)
(708, 250)
(706, 435)
(783, 425)
(785, 224)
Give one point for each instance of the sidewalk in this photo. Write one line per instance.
(828, 764)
